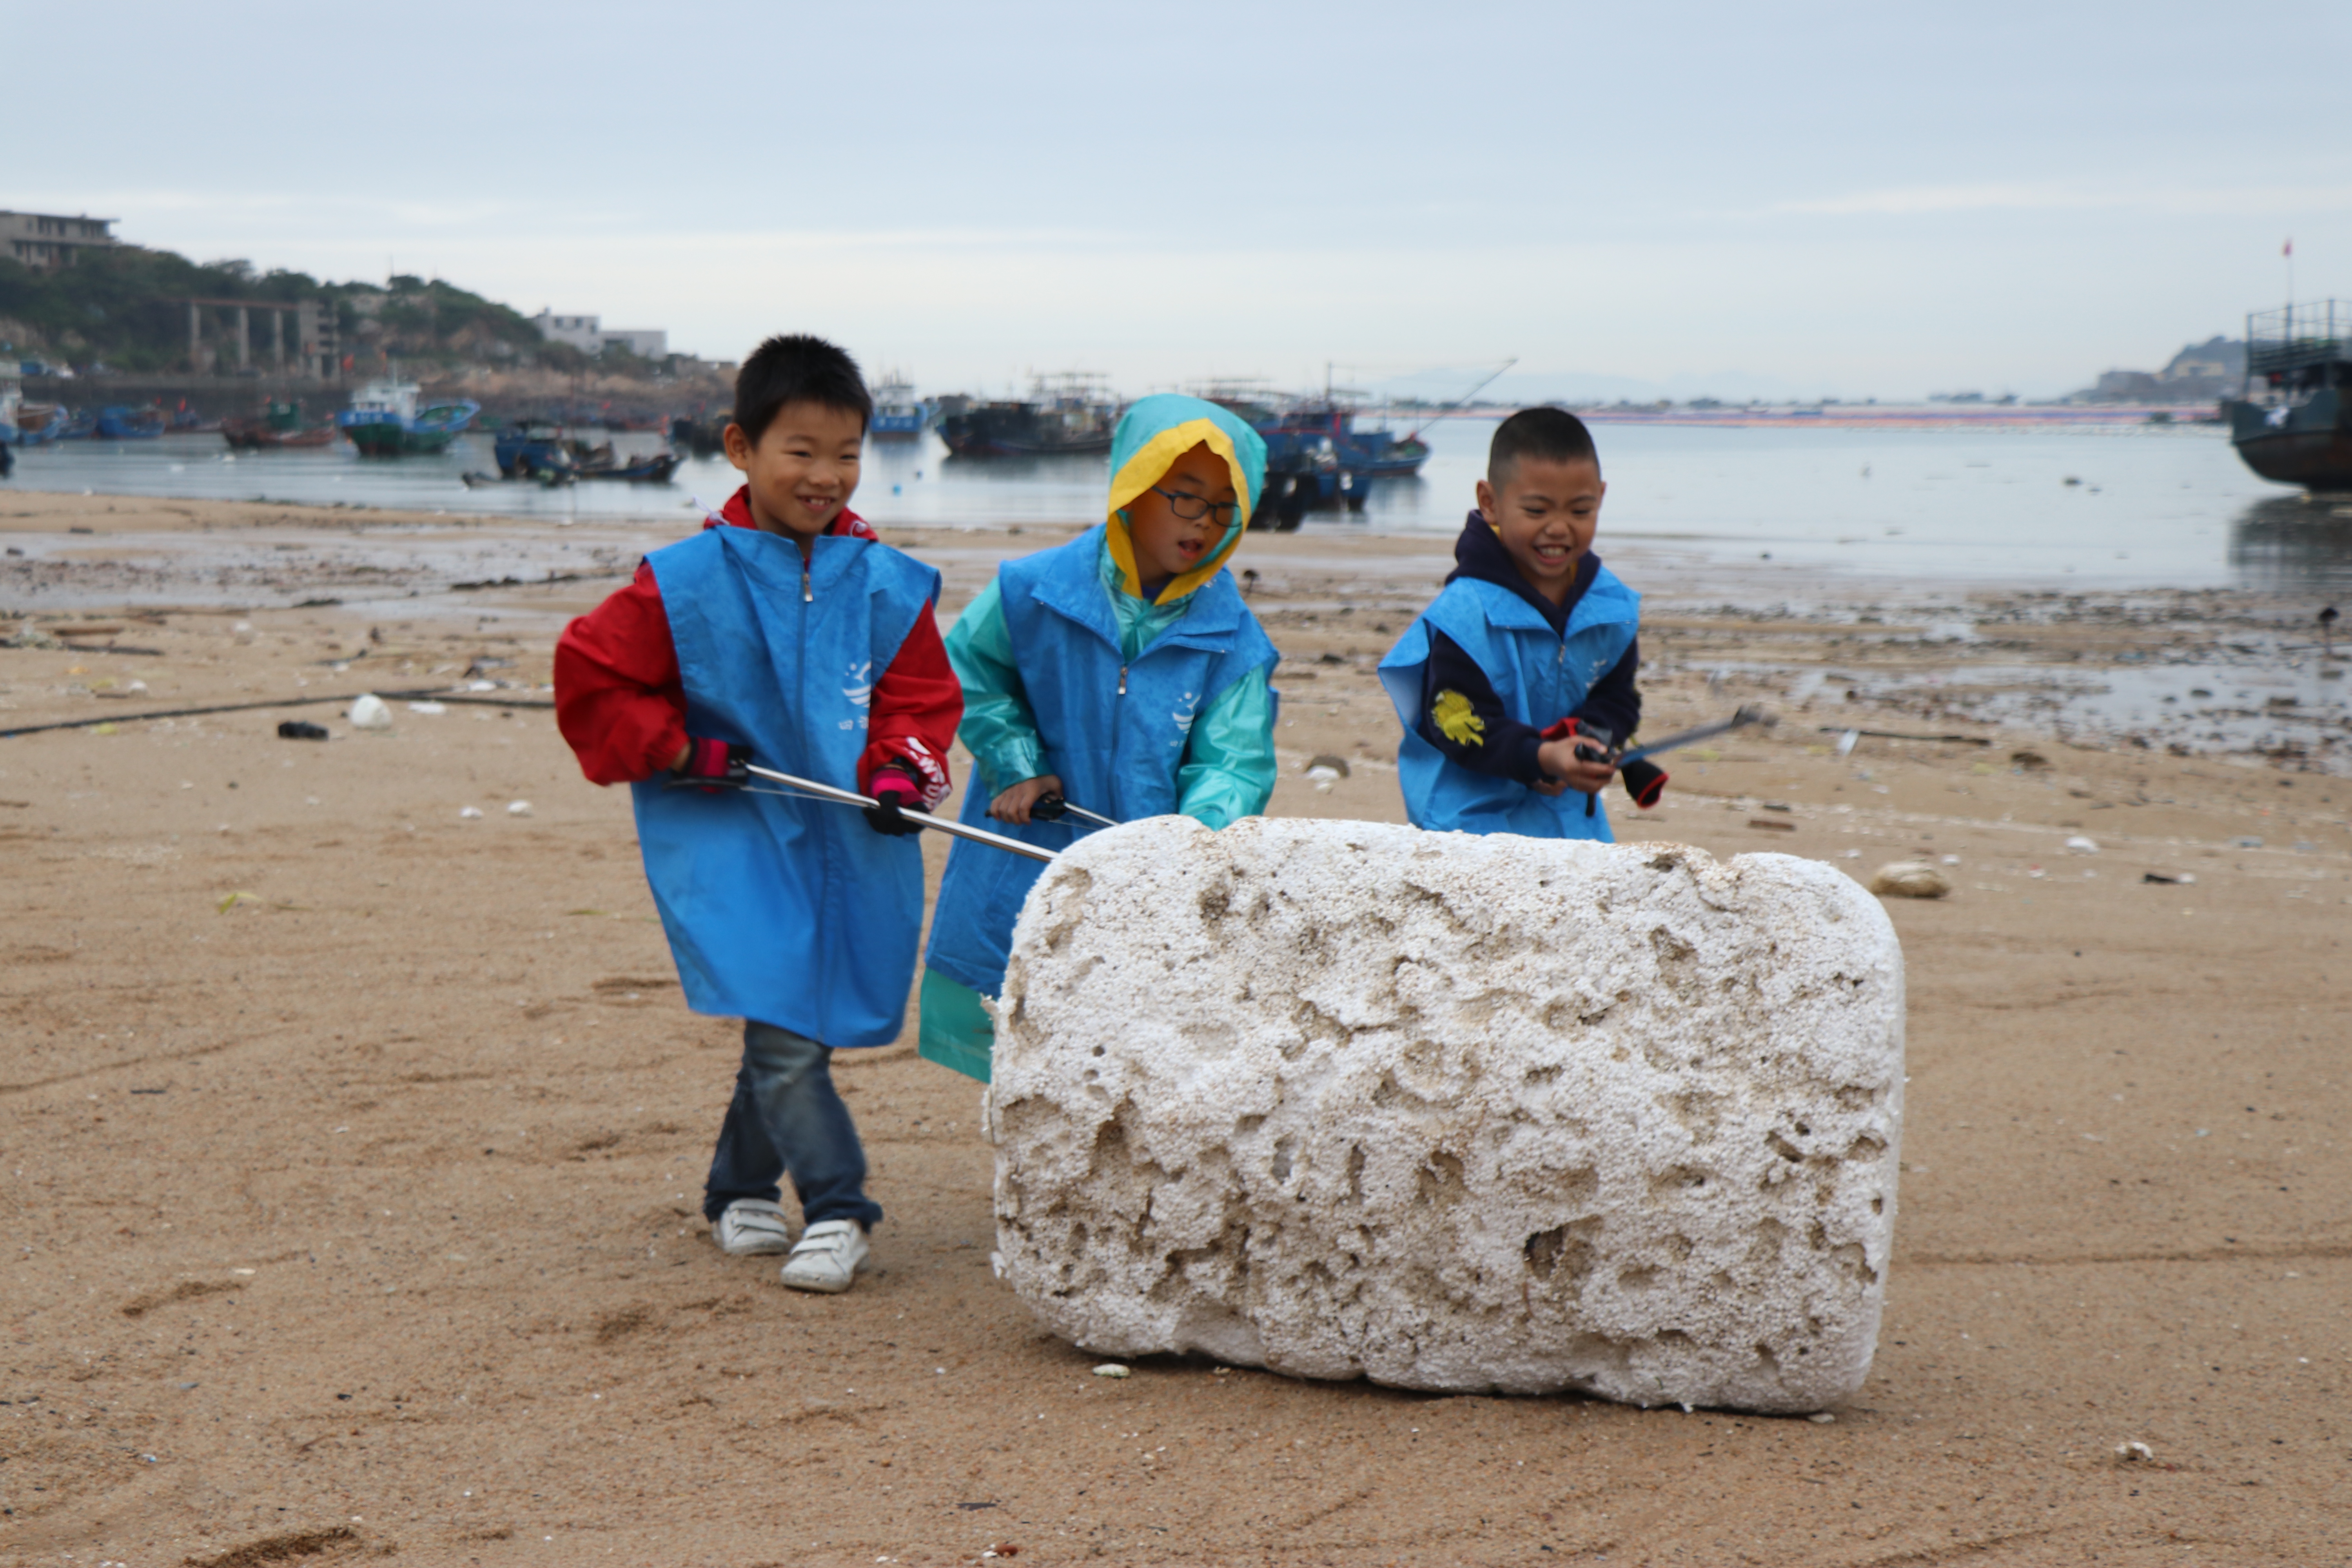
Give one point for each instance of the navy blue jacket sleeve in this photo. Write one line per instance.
(1614, 703)
(1462, 717)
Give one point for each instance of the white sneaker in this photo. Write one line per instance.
(830, 1254)
(752, 1226)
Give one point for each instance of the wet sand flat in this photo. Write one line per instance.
(353, 1146)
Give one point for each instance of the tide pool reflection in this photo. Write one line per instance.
(2285, 544)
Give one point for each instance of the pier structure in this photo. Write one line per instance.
(315, 340)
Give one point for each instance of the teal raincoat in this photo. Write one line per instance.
(1142, 708)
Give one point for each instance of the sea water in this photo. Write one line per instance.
(2122, 506)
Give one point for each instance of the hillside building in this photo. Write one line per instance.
(46, 240)
(591, 336)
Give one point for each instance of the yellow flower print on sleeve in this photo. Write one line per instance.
(1457, 720)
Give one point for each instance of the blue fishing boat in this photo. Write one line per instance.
(119, 424)
(384, 420)
(898, 413)
(531, 449)
(1317, 459)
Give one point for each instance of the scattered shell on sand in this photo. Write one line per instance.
(1909, 879)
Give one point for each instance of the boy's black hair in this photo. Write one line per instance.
(797, 367)
(1554, 434)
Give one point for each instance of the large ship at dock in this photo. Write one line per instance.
(1066, 416)
(2294, 421)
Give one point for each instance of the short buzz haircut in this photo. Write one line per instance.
(797, 368)
(1553, 435)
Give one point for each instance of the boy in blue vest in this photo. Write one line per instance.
(1122, 672)
(1515, 686)
(786, 635)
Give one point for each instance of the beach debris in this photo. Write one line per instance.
(1951, 859)
(369, 711)
(518, 808)
(1909, 879)
(2246, 841)
(1110, 1369)
(1845, 742)
(2134, 1453)
(1775, 826)
(2079, 844)
(2028, 761)
(1646, 1258)
(30, 636)
(469, 812)
(1843, 746)
(1820, 1418)
(1325, 770)
(429, 708)
(302, 730)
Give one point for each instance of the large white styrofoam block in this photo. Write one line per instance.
(1345, 1099)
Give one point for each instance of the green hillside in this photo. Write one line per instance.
(121, 307)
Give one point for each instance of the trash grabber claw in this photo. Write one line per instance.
(1740, 720)
(946, 825)
(1053, 808)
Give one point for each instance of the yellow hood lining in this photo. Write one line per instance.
(1144, 469)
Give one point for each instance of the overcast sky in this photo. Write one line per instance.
(1852, 200)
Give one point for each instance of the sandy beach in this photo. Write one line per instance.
(353, 1145)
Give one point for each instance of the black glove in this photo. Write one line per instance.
(711, 766)
(1645, 781)
(901, 801)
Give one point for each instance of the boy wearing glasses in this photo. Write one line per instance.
(1122, 672)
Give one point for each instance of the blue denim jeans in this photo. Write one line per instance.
(786, 1116)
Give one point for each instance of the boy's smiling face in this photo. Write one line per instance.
(1166, 545)
(803, 467)
(1546, 514)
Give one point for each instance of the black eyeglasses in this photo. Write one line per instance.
(1201, 505)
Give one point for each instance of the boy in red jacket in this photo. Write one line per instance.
(787, 635)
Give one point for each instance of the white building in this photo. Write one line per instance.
(590, 336)
(580, 332)
(45, 239)
(645, 342)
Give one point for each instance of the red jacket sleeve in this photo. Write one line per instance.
(914, 713)
(618, 699)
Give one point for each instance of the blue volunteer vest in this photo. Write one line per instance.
(1117, 754)
(791, 912)
(1540, 678)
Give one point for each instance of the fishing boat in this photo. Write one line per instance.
(705, 436)
(278, 427)
(1066, 416)
(899, 415)
(530, 448)
(385, 421)
(2293, 422)
(119, 424)
(1317, 458)
(654, 468)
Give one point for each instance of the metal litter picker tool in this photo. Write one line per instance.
(1053, 808)
(812, 790)
(1740, 720)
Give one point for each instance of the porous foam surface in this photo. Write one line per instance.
(1346, 1099)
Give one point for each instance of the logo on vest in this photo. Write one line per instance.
(860, 692)
(1183, 715)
